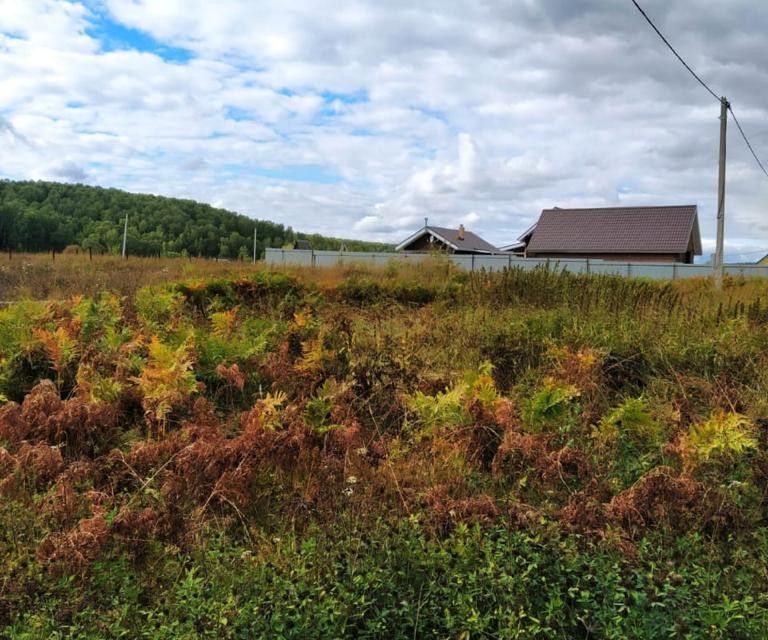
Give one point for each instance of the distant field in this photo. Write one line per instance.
(223, 451)
(40, 276)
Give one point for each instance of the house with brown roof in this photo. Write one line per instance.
(628, 234)
(459, 241)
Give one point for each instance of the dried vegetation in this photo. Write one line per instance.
(609, 408)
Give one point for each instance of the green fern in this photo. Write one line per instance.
(443, 409)
(157, 308)
(724, 434)
(550, 404)
(479, 385)
(450, 408)
(97, 315)
(632, 421)
(317, 413)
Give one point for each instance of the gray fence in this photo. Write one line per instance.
(497, 262)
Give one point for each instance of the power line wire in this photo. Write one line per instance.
(672, 49)
(744, 135)
(703, 84)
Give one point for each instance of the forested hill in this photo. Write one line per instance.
(45, 216)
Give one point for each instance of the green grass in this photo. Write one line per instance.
(386, 454)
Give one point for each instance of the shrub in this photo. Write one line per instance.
(360, 291)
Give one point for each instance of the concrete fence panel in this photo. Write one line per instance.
(693, 271)
(491, 263)
(746, 270)
(498, 262)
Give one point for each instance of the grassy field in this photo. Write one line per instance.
(219, 451)
(43, 276)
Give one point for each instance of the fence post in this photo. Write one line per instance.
(313, 257)
(674, 271)
(629, 269)
(473, 262)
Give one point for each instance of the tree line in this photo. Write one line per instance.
(50, 216)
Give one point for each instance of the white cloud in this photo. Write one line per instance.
(481, 113)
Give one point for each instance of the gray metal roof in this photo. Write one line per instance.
(471, 241)
(513, 246)
(617, 230)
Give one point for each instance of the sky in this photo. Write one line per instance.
(361, 118)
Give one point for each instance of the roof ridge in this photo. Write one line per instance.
(645, 206)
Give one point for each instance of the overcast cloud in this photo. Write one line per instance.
(359, 119)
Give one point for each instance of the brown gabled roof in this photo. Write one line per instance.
(617, 230)
(471, 241)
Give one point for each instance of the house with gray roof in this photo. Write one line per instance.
(628, 234)
(460, 241)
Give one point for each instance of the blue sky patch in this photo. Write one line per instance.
(114, 36)
(237, 114)
(334, 103)
(355, 97)
(294, 173)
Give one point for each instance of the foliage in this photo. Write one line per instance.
(399, 583)
(95, 316)
(724, 434)
(17, 345)
(167, 380)
(451, 408)
(318, 412)
(283, 454)
(632, 421)
(550, 404)
(60, 348)
(45, 216)
(158, 309)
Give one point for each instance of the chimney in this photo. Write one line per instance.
(461, 232)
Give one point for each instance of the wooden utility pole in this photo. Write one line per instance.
(125, 235)
(721, 197)
(255, 230)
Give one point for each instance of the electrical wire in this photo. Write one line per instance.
(672, 49)
(744, 135)
(703, 84)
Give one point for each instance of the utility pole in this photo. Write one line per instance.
(125, 235)
(721, 197)
(255, 230)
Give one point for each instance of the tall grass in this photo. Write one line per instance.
(41, 276)
(395, 452)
